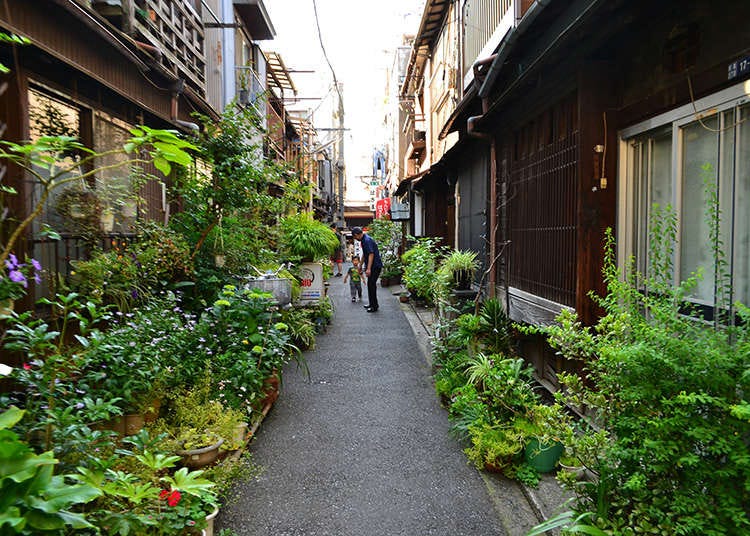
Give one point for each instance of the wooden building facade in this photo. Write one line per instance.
(591, 112)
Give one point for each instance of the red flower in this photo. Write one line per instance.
(26, 366)
(174, 498)
(163, 494)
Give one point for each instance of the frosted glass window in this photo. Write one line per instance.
(700, 152)
(714, 161)
(741, 228)
(653, 167)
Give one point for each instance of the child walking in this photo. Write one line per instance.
(354, 276)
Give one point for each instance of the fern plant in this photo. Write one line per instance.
(306, 238)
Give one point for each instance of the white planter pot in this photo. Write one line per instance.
(209, 530)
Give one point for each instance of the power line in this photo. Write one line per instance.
(323, 48)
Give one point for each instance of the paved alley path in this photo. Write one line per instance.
(362, 448)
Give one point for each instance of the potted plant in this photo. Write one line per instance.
(34, 499)
(388, 235)
(142, 493)
(419, 264)
(200, 425)
(306, 238)
(199, 447)
(80, 207)
(459, 268)
(552, 427)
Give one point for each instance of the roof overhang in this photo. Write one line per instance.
(254, 16)
(461, 109)
(429, 28)
(277, 74)
(408, 182)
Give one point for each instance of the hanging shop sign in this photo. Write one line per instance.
(383, 208)
(399, 210)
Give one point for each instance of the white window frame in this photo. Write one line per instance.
(706, 107)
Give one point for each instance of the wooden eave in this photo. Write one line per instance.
(429, 28)
(112, 62)
(254, 16)
(277, 74)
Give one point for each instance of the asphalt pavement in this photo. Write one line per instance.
(361, 447)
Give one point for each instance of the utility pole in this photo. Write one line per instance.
(340, 166)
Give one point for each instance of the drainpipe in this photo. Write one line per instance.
(513, 34)
(176, 88)
(480, 72)
(485, 78)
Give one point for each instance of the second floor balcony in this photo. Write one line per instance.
(170, 31)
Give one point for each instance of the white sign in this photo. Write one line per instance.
(311, 282)
(399, 210)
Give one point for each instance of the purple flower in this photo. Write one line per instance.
(12, 262)
(37, 266)
(79, 405)
(37, 279)
(18, 277)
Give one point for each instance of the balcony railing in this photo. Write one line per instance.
(481, 18)
(251, 89)
(276, 133)
(173, 27)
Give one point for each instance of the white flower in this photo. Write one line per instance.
(5, 370)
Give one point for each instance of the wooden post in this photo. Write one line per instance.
(596, 205)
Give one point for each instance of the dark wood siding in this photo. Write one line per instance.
(541, 205)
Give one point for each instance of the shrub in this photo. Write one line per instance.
(664, 384)
(420, 262)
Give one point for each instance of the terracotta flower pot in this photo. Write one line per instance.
(126, 425)
(197, 458)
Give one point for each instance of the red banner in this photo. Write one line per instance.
(383, 208)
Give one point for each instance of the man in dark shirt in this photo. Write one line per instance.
(372, 265)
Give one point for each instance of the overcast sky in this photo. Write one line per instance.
(359, 38)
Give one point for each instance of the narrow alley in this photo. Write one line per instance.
(362, 446)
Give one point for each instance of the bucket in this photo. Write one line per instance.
(280, 288)
(543, 456)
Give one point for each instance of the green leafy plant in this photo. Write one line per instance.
(458, 268)
(43, 160)
(306, 238)
(196, 419)
(420, 262)
(663, 383)
(144, 498)
(495, 446)
(33, 500)
(12, 39)
(388, 235)
(56, 405)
